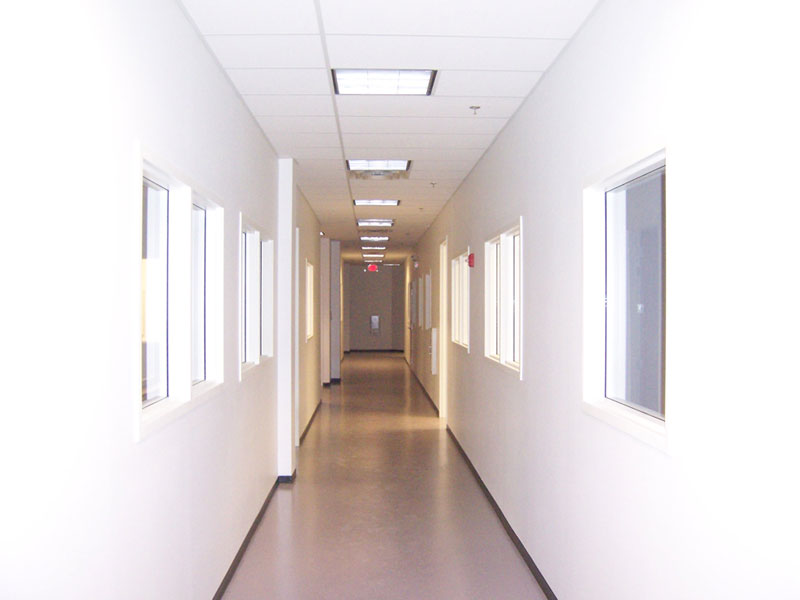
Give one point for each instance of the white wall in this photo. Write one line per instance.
(605, 516)
(309, 349)
(87, 512)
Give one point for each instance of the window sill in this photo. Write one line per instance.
(647, 429)
(465, 346)
(507, 367)
(157, 416)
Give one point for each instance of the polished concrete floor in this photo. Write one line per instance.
(383, 507)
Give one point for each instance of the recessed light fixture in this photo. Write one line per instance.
(372, 255)
(384, 82)
(374, 238)
(322, 233)
(373, 247)
(375, 222)
(376, 202)
(377, 165)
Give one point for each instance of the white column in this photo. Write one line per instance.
(336, 311)
(325, 310)
(284, 287)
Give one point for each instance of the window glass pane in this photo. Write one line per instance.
(243, 297)
(635, 292)
(155, 208)
(515, 296)
(198, 294)
(498, 324)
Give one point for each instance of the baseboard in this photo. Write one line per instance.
(336, 380)
(537, 574)
(376, 350)
(237, 559)
(308, 425)
(288, 478)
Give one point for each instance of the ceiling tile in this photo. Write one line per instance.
(420, 52)
(267, 51)
(486, 83)
(330, 153)
(425, 106)
(253, 16)
(281, 81)
(291, 141)
(529, 18)
(471, 124)
(415, 154)
(304, 124)
(288, 105)
(416, 140)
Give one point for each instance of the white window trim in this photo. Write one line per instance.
(251, 356)
(503, 355)
(267, 298)
(643, 427)
(309, 294)
(459, 306)
(182, 395)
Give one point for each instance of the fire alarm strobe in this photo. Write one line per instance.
(471, 259)
(373, 267)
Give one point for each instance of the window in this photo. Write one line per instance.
(155, 292)
(198, 293)
(504, 298)
(635, 292)
(267, 297)
(249, 296)
(309, 300)
(624, 301)
(181, 297)
(420, 303)
(459, 325)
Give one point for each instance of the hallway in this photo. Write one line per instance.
(383, 506)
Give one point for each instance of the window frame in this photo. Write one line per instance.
(503, 298)
(309, 296)
(643, 426)
(249, 296)
(183, 392)
(459, 294)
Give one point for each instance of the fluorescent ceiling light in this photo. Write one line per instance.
(373, 260)
(373, 247)
(391, 264)
(372, 255)
(377, 165)
(376, 202)
(374, 238)
(375, 222)
(384, 82)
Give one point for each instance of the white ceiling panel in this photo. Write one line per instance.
(489, 55)
(268, 51)
(281, 81)
(278, 106)
(295, 141)
(426, 106)
(493, 83)
(420, 125)
(419, 52)
(253, 16)
(415, 154)
(416, 140)
(305, 124)
(315, 153)
(511, 18)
